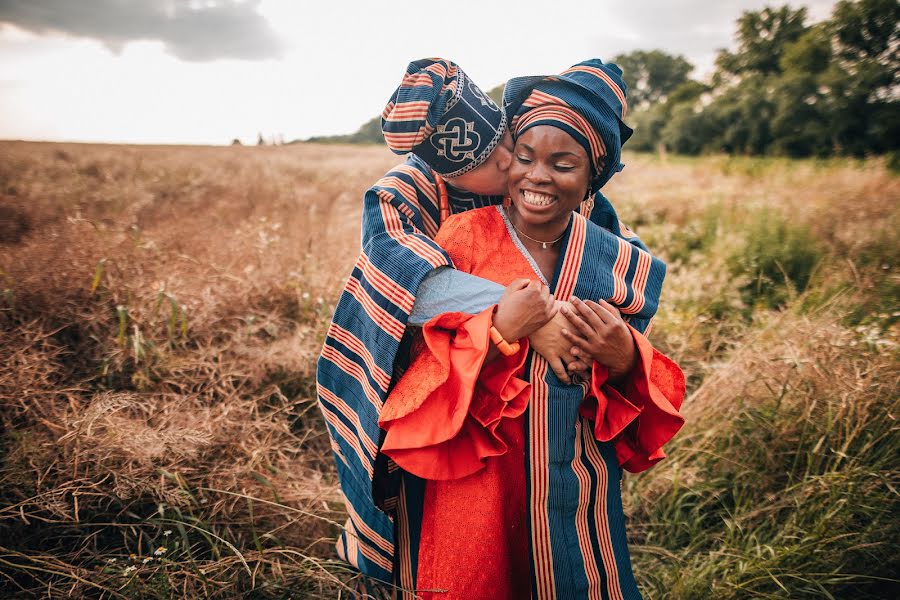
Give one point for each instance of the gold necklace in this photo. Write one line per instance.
(541, 242)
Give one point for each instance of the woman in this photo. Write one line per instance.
(511, 478)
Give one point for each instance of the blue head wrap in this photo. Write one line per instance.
(588, 101)
(438, 113)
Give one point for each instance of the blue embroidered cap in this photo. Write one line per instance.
(593, 90)
(439, 114)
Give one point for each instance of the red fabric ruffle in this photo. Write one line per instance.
(643, 418)
(442, 417)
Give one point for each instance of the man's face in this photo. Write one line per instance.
(489, 178)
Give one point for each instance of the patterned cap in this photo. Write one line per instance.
(443, 117)
(587, 101)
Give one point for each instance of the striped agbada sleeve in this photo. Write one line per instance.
(601, 212)
(354, 371)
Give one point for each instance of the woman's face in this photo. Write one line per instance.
(548, 178)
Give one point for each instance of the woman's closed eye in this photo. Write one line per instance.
(523, 159)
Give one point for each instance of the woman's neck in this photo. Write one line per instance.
(538, 237)
(544, 251)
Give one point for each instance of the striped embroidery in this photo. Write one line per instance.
(602, 75)
(568, 274)
(366, 550)
(351, 416)
(604, 541)
(370, 533)
(353, 343)
(539, 457)
(539, 460)
(639, 282)
(391, 181)
(404, 547)
(347, 548)
(568, 116)
(585, 543)
(408, 111)
(379, 316)
(386, 286)
(347, 436)
(626, 232)
(355, 371)
(404, 138)
(620, 269)
(394, 228)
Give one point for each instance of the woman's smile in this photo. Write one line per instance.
(536, 198)
(548, 179)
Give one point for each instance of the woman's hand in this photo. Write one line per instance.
(549, 342)
(600, 334)
(526, 305)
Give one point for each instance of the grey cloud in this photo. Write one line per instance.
(192, 31)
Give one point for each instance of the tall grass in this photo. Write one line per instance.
(161, 309)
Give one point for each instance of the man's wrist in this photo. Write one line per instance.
(508, 331)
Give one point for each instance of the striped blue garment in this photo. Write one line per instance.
(400, 217)
(593, 94)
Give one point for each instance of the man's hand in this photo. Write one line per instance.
(526, 305)
(599, 333)
(549, 342)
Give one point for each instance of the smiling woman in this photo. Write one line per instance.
(548, 180)
(511, 477)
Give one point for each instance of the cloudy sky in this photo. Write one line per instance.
(199, 71)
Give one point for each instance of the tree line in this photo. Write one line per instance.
(789, 88)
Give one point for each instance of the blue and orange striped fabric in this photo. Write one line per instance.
(586, 100)
(400, 217)
(439, 113)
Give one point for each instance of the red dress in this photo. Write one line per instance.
(458, 422)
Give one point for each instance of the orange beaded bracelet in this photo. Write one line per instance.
(503, 346)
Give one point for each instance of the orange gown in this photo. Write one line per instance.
(459, 423)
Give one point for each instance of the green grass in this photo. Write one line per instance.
(161, 310)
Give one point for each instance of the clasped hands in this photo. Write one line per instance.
(569, 335)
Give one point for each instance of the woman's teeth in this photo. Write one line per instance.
(537, 199)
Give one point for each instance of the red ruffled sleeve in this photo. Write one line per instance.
(442, 417)
(645, 417)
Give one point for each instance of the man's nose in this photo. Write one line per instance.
(505, 159)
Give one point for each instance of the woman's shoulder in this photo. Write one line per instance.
(474, 220)
(472, 236)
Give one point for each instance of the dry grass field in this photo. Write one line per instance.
(161, 309)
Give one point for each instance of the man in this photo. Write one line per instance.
(458, 140)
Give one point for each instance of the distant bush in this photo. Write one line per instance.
(368, 133)
(784, 482)
(778, 257)
(788, 88)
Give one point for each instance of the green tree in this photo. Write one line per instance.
(496, 94)
(867, 29)
(651, 75)
(649, 123)
(862, 82)
(762, 37)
